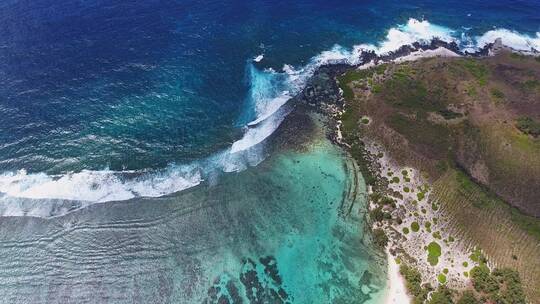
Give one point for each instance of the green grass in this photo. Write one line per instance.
(471, 90)
(485, 199)
(434, 137)
(477, 69)
(347, 78)
(434, 252)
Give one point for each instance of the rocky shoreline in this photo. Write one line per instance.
(407, 186)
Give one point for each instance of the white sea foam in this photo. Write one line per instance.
(515, 40)
(269, 91)
(413, 31)
(258, 58)
(98, 186)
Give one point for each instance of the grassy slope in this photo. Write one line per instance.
(442, 114)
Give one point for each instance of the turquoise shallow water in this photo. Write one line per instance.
(286, 231)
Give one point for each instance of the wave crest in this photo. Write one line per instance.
(269, 91)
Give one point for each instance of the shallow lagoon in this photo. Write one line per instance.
(286, 231)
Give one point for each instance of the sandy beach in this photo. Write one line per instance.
(396, 291)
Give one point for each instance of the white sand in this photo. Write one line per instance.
(397, 293)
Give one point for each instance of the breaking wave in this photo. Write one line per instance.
(269, 91)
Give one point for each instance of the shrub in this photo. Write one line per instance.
(415, 226)
(512, 291)
(413, 282)
(377, 214)
(468, 298)
(478, 257)
(482, 279)
(497, 93)
(380, 238)
(528, 126)
(405, 230)
(434, 252)
(443, 295)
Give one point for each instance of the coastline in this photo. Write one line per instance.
(396, 290)
(452, 270)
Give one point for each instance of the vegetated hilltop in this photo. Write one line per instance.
(479, 114)
(472, 127)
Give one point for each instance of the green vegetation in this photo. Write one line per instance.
(443, 295)
(433, 137)
(500, 286)
(379, 215)
(530, 85)
(437, 235)
(445, 271)
(511, 290)
(406, 189)
(413, 282)
(427, 225)
(477, 256)
(482, 279)
(528, 126)
(477, 69)
(365, 121)
(434, 252)
(405, 230)
(420, 196)
(497, 93)
(485, 199)
(380, 238)
(395, 179)
(441, 278)
(471, 90)
(415, 226)
(468, 298)
(465, 264)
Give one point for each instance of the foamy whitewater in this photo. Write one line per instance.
(269, 91)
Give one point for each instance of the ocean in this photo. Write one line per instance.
(134, 157)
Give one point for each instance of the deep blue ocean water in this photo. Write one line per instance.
(140, 85)
(113, 100)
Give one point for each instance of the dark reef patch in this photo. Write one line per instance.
(259, 282)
